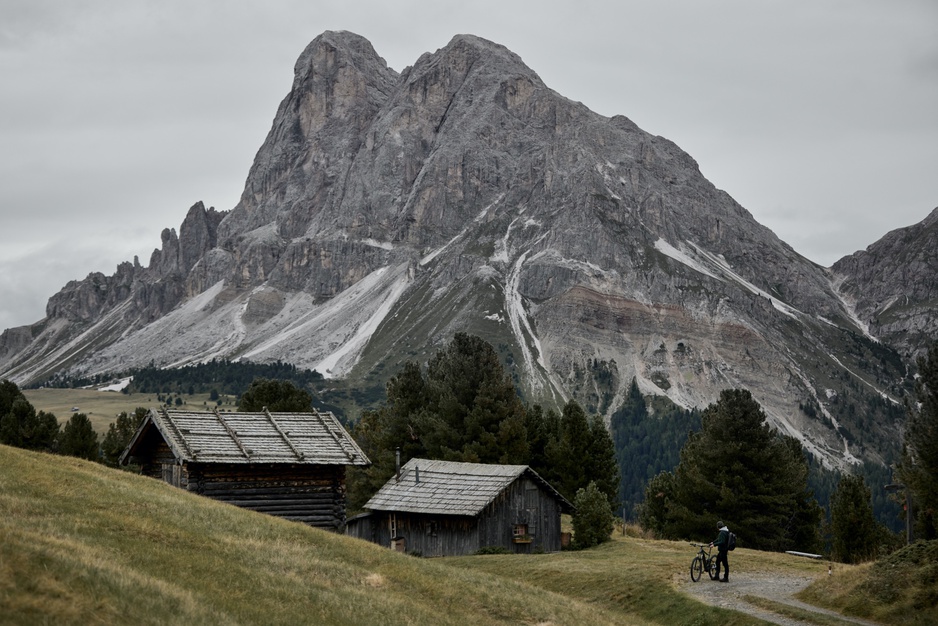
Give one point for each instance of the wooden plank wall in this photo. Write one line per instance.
(427, 535)
(523, 502)
(312, 494)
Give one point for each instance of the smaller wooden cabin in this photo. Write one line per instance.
(444, 508)
(290, 465)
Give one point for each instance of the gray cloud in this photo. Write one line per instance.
(115, 117)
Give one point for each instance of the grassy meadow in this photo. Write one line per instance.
(102, 407)
(81, 543)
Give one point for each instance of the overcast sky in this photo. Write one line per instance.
(820, 117)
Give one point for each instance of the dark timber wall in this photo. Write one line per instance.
(522, 502)
(313, 494)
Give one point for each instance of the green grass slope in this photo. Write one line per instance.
(901, 588)
(81, 543)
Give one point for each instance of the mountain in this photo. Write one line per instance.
(386, 211)
(892, 286)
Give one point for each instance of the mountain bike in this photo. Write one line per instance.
(703, 562)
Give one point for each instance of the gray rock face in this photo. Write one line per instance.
(386, 211)
(894, 286)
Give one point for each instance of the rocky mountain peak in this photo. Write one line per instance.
(384, 212)
(892, 285)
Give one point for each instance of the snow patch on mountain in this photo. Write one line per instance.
(329, 337)
(680, 256)
(344, 358)
(850, 306)
(384, 245)
(728, 271)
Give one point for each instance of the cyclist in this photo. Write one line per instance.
(722, 543)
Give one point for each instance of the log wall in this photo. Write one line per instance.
(312, 494)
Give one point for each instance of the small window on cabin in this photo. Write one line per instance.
(519, 530)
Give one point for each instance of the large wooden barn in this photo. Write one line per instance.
(291, 465)
(443, 508)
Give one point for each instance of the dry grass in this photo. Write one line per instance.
(636, 577)
(102, 407)
(83, 544)
(901, 588)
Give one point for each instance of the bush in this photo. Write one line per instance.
(593, 519)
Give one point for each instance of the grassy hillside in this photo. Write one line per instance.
(81, 543)
(901, 588)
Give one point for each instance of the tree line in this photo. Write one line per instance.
(22, 426)
(221, 376)
(738, 468)
(677, 470)
(463, 406)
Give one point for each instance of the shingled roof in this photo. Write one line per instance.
(265, 437)
(451, 488)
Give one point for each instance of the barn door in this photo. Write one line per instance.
(172, 474)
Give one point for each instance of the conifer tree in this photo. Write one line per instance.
(738, 469)
(463, 408)
(21, 425)
(593, 519)
(541, 427)
(604, 466)
(276, 395)
(854, 530)
(119, 433)
(583, 453)
(78, 438)
(918, 468)
(569, 454)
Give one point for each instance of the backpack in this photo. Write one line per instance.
(731, 541)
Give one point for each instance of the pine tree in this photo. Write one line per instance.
(918, 468)
(78, 438)
(21, 426)
(740, 470)
(9, 393)
(593, 519)
(276, 396)
(472, 398)
(569, 454)
(541, 427)
(854, 529)
(119, 433)
(463, 408)
(604, 468)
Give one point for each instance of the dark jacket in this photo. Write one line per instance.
(723, 539)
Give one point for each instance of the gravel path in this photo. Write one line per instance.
(778, 588)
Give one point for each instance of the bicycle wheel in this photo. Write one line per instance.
(712, 568)
(696, 568)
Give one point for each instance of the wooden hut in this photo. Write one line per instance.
(443, 508)
(291, 465)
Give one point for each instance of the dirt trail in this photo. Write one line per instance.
(776, 587)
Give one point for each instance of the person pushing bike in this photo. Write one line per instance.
(722, 544)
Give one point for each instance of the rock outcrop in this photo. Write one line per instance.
(894, 288)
